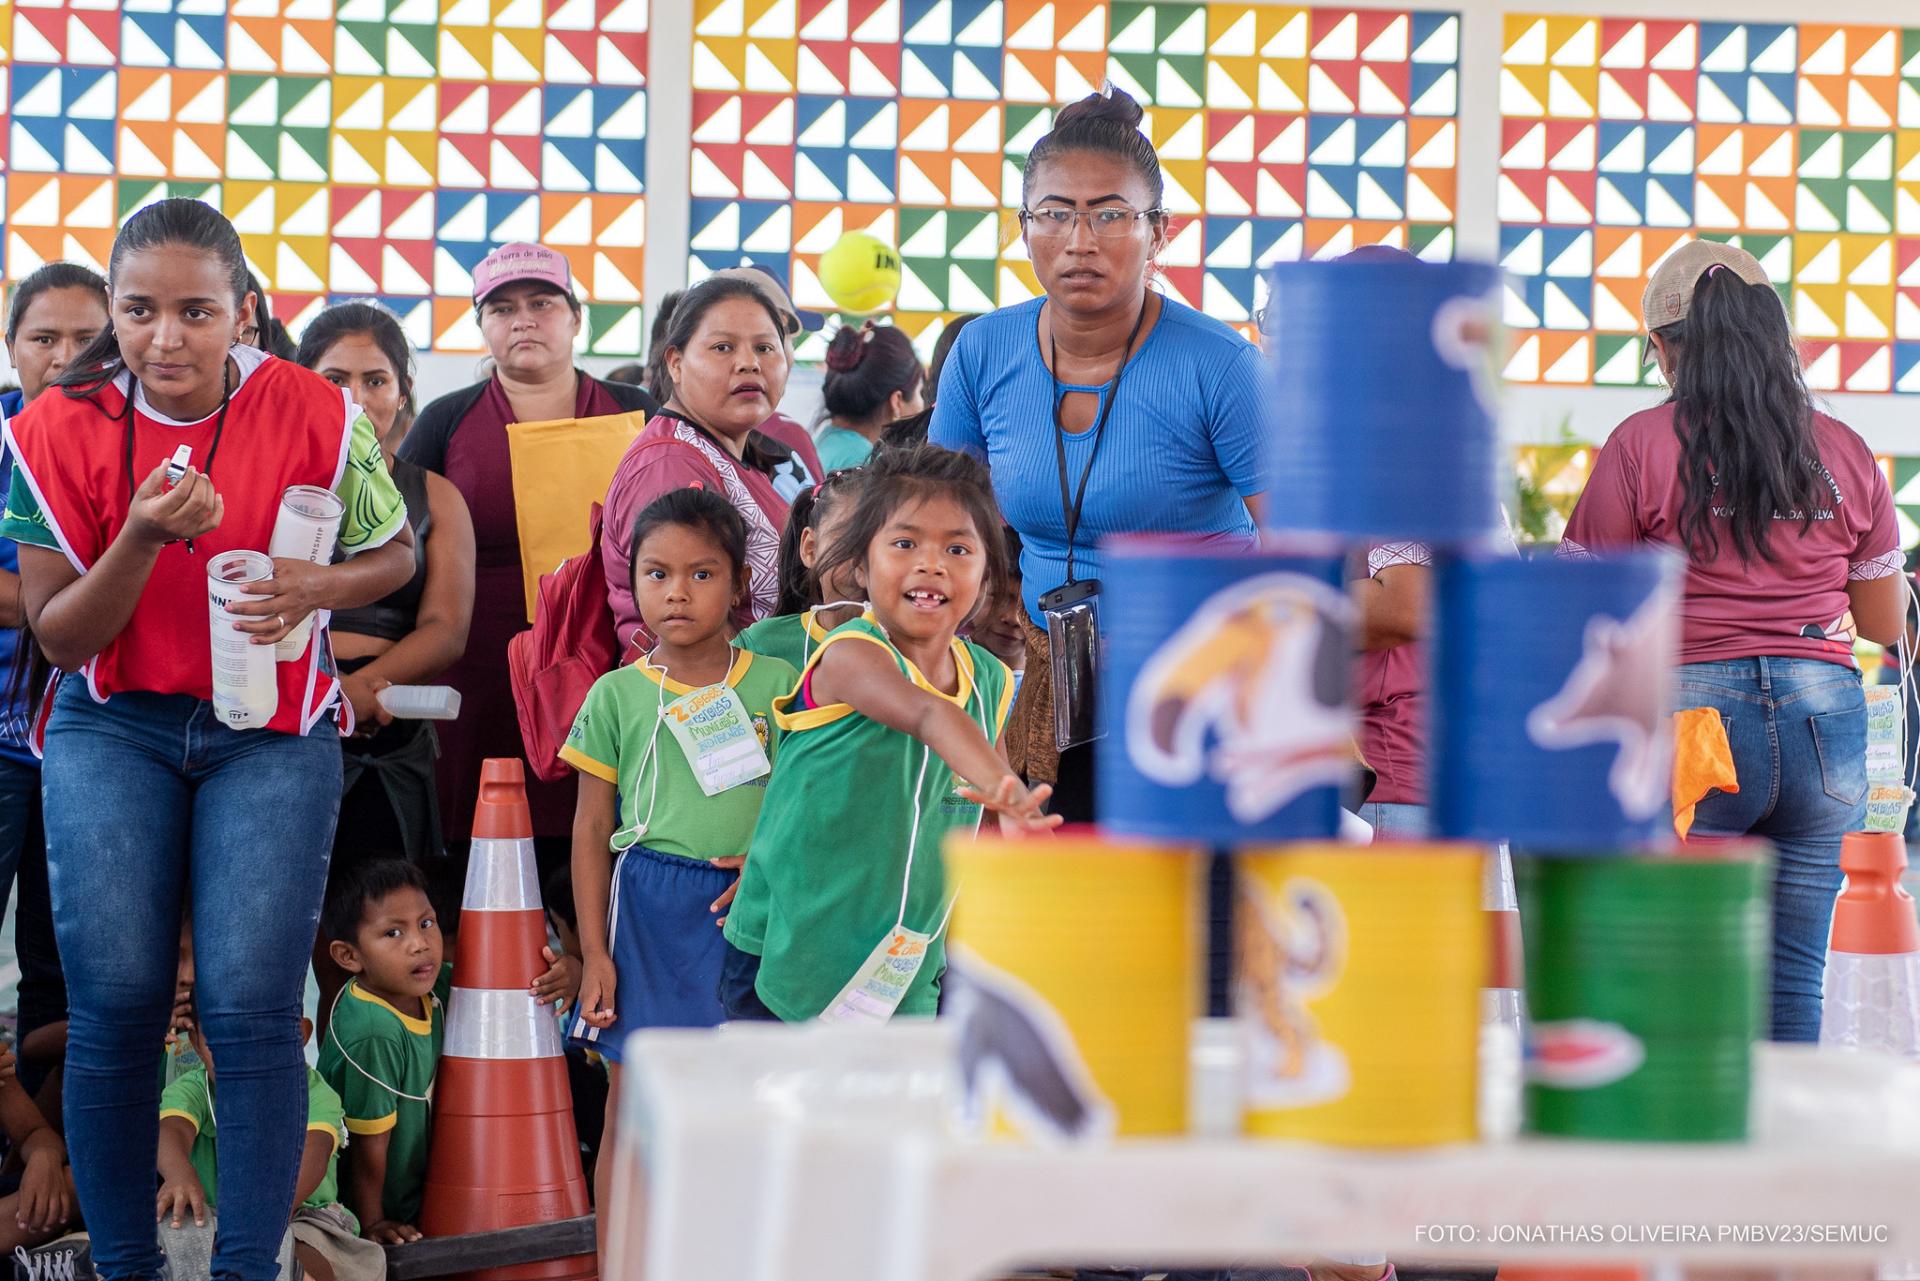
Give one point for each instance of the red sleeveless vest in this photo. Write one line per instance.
(285, 426)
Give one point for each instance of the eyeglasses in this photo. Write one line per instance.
(1109, 223)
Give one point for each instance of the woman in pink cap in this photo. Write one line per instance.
(523, 296)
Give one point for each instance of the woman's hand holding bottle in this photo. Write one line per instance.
(296, 589)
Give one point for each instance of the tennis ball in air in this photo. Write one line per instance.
(861, 273)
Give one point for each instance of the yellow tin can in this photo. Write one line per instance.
(1357, 975)
(1075, 978)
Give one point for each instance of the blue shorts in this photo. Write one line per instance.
(667, 951)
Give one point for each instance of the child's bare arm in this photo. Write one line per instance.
(865, 678)
(366, 1190)
(180, 1188)
(314, 1160)
(594, 817)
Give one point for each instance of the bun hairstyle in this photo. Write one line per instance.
(1107, 124)
(865, 366)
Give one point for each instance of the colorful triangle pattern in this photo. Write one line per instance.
(1620, 138)
(363, 148)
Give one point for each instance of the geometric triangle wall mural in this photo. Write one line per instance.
(1799, 142)
(1285, 132)
(364, 148)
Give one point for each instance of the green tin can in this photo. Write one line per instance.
(1646, 988)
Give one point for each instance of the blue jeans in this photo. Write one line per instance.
(1798, 729)
(1396, 820)
(148, 798)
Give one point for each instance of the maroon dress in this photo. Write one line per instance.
(471, 451)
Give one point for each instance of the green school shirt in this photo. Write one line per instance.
(822, 882)
(791, 638)
(841, 449)
(610, 737)
(396, 1055)
(190, 1097)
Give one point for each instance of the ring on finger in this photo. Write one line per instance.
(282, 620)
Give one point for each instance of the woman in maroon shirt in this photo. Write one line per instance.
(1788, 528)
(529, 316)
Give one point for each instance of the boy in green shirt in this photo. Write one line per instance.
(325, 1232)
(382, 1046)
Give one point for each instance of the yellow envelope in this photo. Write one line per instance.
(560, 469)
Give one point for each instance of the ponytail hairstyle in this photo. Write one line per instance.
(346, 319)
(865, 366)
(178, 222)
(47, 276)
(1105, 123)
(894, 478)
(1743, 417)
(800, 586)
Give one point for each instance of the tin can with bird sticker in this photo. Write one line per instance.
(1357, 976)
(1551, 713)
(1226, 695)
(1646, 986)
(1383, 412)
(1074, 980)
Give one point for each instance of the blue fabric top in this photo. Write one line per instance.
(13, 712)
(1183, 441)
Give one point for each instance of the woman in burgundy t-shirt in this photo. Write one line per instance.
(1789, 531)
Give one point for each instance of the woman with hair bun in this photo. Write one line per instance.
(1103, 408)
(873, 380)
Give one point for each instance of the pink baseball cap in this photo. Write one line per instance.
(521, 261)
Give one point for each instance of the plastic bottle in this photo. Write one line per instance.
(1873, 965)
(245, 694)
(306, 529)
(420, 702)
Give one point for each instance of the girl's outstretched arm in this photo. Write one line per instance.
(866, 678)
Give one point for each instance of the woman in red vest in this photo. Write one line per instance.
(151, 799)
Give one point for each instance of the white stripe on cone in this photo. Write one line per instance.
(491, 1023)
(501, 877)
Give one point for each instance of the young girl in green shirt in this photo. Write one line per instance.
(888, 743)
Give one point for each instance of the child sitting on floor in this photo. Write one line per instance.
(325, 1234)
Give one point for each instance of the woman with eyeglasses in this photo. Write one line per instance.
(1103, 408)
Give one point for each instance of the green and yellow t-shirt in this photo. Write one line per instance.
(822, 882)
(791, 638)
(190, 1097)
(610, 740)
(382, 1064)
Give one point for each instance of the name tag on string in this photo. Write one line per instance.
(718, 738)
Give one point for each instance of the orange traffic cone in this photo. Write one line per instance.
(504, 1153)
(1873, 964)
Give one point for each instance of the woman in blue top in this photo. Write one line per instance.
(53, 314)
(1103, 408)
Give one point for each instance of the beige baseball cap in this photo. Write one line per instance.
(1669, 293)
(774, 292)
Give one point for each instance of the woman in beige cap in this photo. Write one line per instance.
(1788, 527)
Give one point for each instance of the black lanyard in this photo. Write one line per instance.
(1071, 503)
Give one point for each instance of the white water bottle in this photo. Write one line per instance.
(1873, 964)
(306, 529)
(420, 702)
(245, 692)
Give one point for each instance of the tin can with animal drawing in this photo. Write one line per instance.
(1646, 983)
(1383, 411)
(1226, 696)
(1551, 716)
(1357, 978)
(1074, 979)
